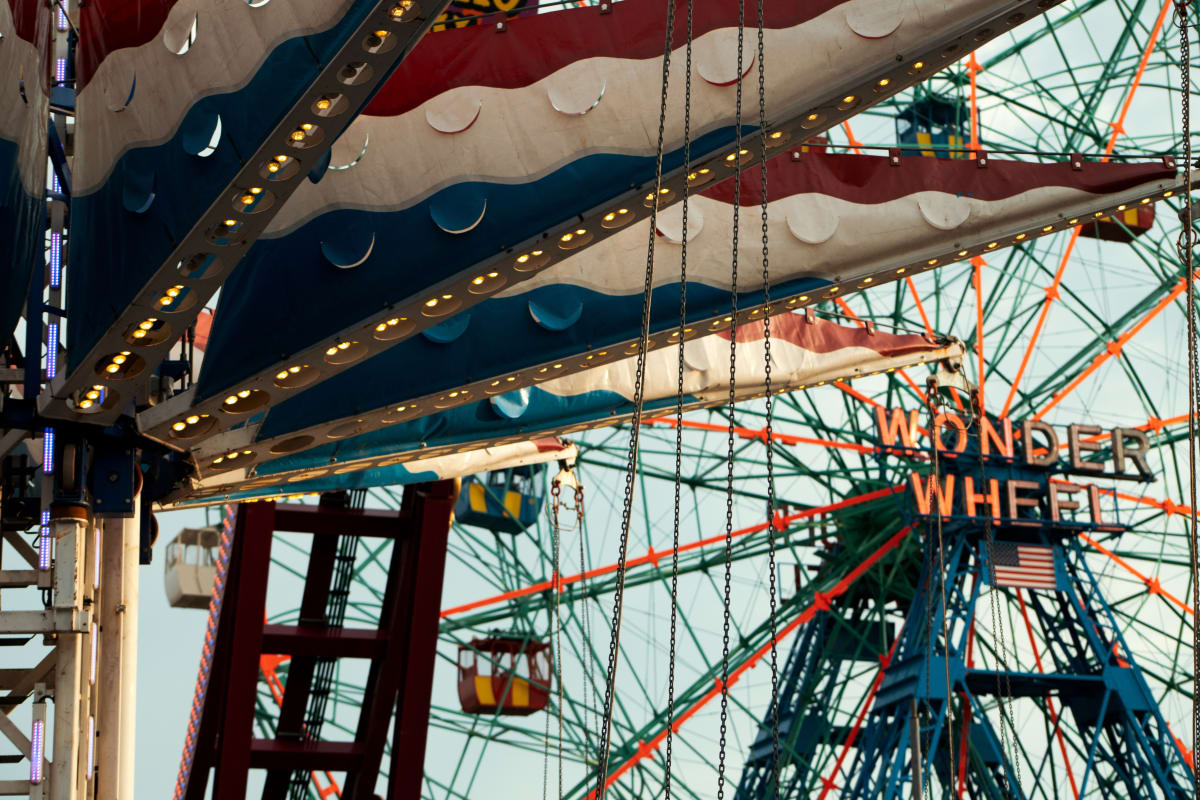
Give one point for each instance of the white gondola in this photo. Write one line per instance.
(191, 567)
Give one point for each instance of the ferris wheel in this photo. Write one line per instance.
(1079, 326)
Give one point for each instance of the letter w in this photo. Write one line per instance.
(924, 494)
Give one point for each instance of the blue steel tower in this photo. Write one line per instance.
(1008, 671)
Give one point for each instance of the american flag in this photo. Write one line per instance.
(1023, 566)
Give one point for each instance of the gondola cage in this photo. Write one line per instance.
(1122, 226)
(191, 567)
(504, 500)
(504, 675)
(935, 123)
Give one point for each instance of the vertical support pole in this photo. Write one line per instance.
(38, 769)
(431, 510)
(108, 668)
(67, 525)
(252, 537)
(86, 694)
(918, 763)
(130, 559)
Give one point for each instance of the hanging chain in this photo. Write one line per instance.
(769, 427)
(733, 299)
(687, 157)
(589, 680)
(635, 428)
(1185, 246)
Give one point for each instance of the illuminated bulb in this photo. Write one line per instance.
(566, 237)
(1073, 221)
(380, 35)
(537, 252)
(232, 456)
(230, 223)
(993, 244)
(343, 345)
(308, 126)
(178, 426)
(231, 399)
(139, 334)
(901, 271)
(848, 98)
(580, 231)
(332, 351)
(281, 375)
(447, 296)
(193, 419)
(281, 159)
(297, 136)
(148, 324)
(1020, 236)
(803, 298)
(323, 105)
(884, 82)
(490, 275)
(865, 280)
(931, 262)
(174, 291)
(431, 302)
(218, 460)
(381, 327)
(1098, 214)
(247, 199)
(918, 64)
(85, 404)
(609, 217)
(244, 393)
(272, 167)
(93, 395)
(522, 259)
(776, 134)
(293, 370)
(812, 117)
(1144, 200)
(118, 359)
(1047, 228)
(962, 253)
(1168, 193)
(691, 176)
(1121, 207)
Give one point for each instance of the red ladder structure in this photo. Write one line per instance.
(401, 651)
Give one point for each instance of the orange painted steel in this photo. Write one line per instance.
(1114, 348)
(912, 288)
(653, 557)
(977, 280)
(820, 600)
(760, 433)
(1118, 129)
(1152, 584)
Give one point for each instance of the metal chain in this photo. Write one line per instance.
(589, 680)
(556, 654)
(733, 299)
(769, 427)
(635, 428)
(687, 157)
(1185, 246)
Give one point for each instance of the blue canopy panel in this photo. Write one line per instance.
(805, 352)
(166, 114)
(531, 148)
(194, 127)
(24, 119)
(585, 309)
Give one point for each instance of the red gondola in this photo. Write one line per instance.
(492, 681)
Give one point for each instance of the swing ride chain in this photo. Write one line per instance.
(687, 157)
(768, 435)
(1185, 246)
(932, 399)
(635, 429)
(737, 191)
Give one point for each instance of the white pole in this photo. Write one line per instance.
(110, 733)
(67, 525)
(131, 551)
